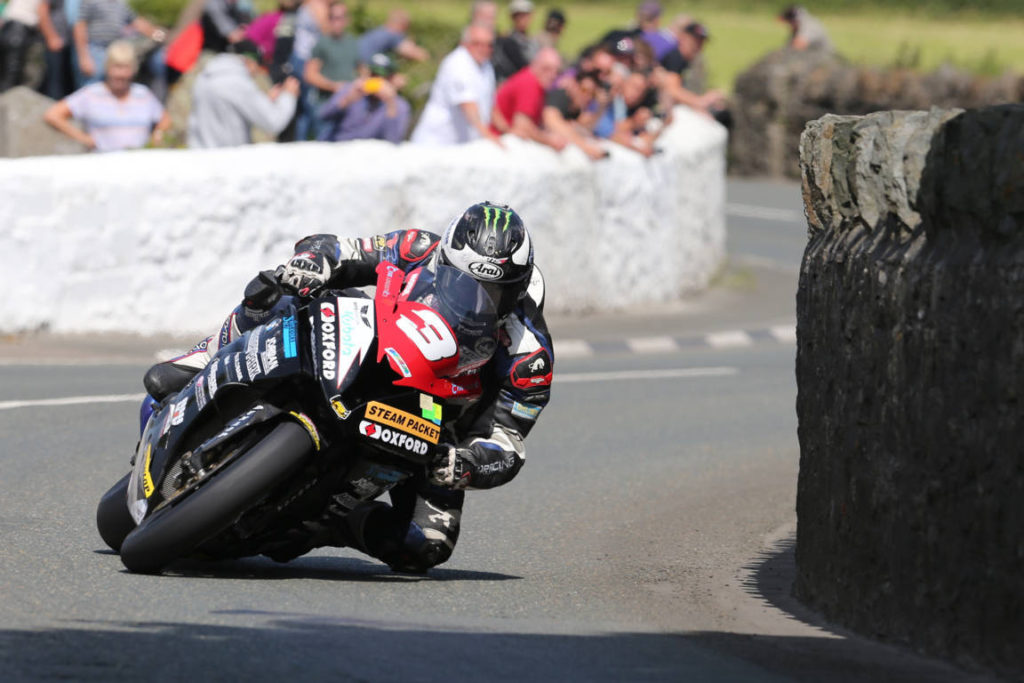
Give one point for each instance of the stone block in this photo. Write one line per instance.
(23, 133)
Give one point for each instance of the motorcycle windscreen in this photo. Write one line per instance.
(444, 326)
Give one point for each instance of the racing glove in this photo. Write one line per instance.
(450, 467)
(305, 273)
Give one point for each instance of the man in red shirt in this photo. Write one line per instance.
(520, 100)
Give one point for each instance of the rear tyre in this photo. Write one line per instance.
(180, 528)
(113, 520)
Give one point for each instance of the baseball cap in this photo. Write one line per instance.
(381, 65)
(520, 7)
(697, 30)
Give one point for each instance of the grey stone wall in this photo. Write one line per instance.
(23, 133)
(910, 372)
(775, 98)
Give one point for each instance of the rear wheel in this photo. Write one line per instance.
(180, 528)
(113, 520)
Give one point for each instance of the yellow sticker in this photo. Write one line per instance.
(340, 409)
(308, 424)
(147, 479)
(403, 421)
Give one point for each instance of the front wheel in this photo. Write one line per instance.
(180, 528)
(113, 520)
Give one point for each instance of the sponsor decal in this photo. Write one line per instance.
(252, 361)
(367, 244)
(289, 334)
(269, 355)
(239, 421)
(167, 424)
(310, 427)
(380, 243)
(401, 420)
(328, 339)
(200, 392)
(532, 371)
(402, 367)
(178, 414)
(346, 327)
(494, 216)
(339, 408)
(393, 437)
(526, 411)
(225, 330)
(487, 271)
(211, 378)
(147, 479)
(430, 410)
(238, 367)
(392, 271)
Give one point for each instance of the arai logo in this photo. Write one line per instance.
(488, 271)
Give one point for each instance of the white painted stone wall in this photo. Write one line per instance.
(165, 241)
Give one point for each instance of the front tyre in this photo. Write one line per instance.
(180, 528)
(113, 520)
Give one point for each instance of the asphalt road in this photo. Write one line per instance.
(649, 537)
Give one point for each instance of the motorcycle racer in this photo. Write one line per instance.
(421, 526)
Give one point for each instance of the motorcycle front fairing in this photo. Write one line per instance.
(261, 357)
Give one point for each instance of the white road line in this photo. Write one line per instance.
(764, 212)
(574, 348)
(652, 344)
(669, 373)
(731, 339)
(784, 333)
(71, 401)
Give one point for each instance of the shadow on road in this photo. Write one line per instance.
(350, 569)
(838, 654)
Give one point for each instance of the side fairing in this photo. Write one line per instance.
(342, 333)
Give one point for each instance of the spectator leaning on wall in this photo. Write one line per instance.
(116, 113)
(226, 101)
(367, 108)
(571, 111)
(462, 95)
(691, 36)
(520, 101)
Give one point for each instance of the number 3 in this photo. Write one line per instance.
(433, 338)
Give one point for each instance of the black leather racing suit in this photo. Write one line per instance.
(419, 530)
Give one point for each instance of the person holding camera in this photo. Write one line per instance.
(367, 108)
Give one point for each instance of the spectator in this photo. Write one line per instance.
(690, 39)
(635, 131)
(554, 24)
(648, 18)
(55, 26)
(462, 94)
(391, 37)
(18, 31)
(519, 104)
(570, 112)
(484, 13)
(515, 50)
(223, 23)
(647, 28)
(116, 113)
(311, 21)
(99, 24)
(264, 31)
(806, 32)
(333, 62)
(226, 101)
(367, 108)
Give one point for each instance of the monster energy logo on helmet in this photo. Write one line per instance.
(493, 216)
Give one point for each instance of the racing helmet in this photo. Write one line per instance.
(490, 242)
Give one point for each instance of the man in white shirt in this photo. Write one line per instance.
(461, 98)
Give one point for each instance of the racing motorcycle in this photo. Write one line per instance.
(334, 400)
